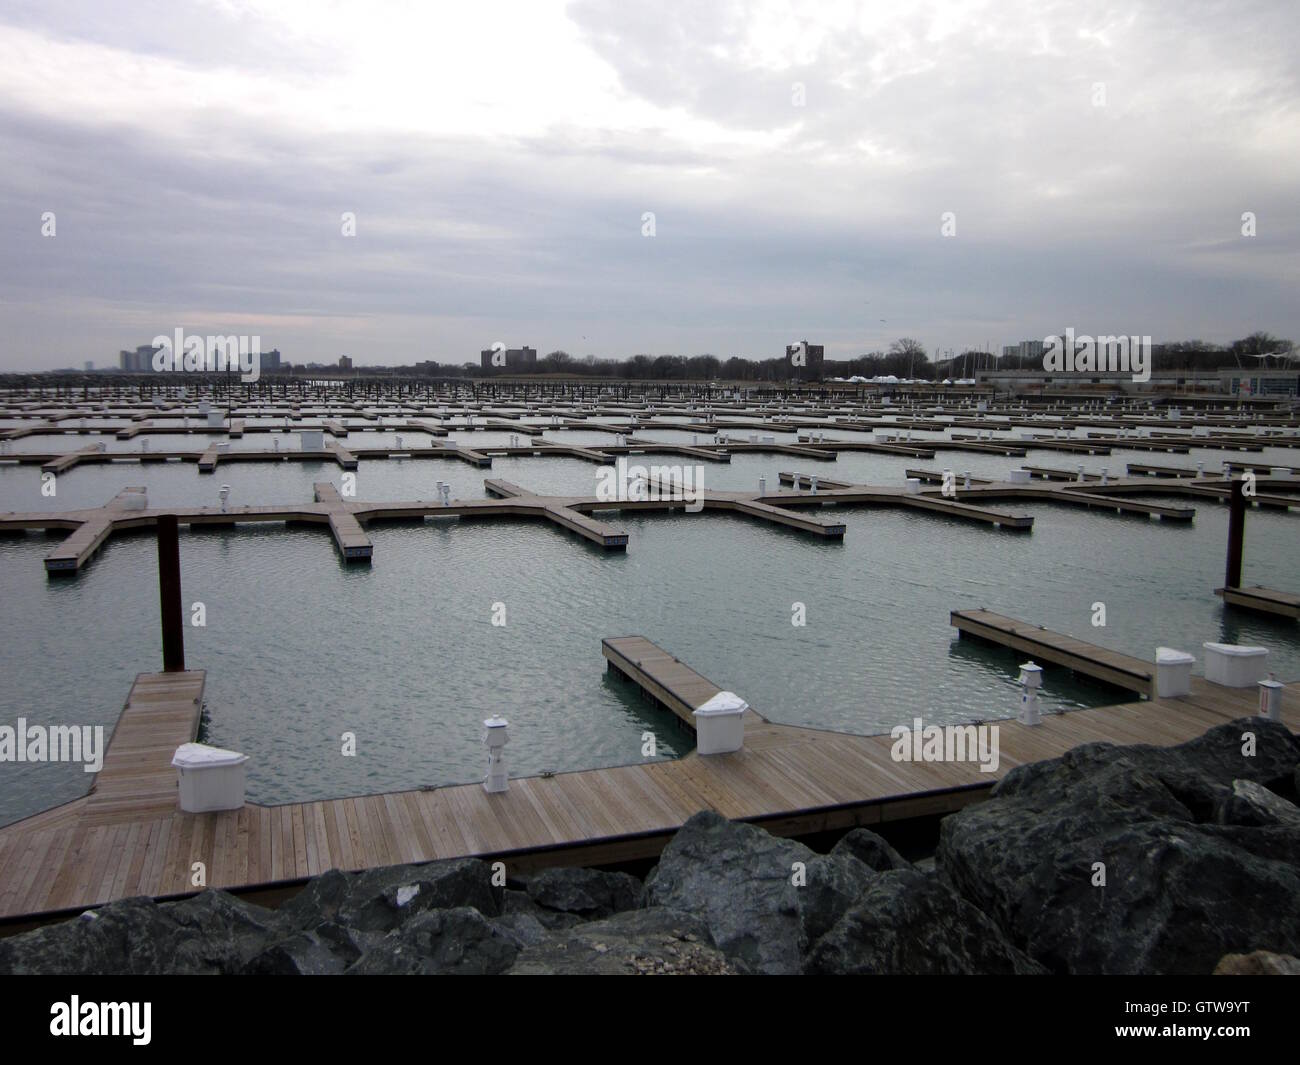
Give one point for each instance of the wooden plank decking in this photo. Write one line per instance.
(1262, 600)
(127, 838)
(1122, 670)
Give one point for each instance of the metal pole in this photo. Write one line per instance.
(169, 594)
(1236, 533)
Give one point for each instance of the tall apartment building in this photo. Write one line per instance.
(138, 361)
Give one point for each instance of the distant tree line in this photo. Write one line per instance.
(1258, 351)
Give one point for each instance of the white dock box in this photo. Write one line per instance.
(1173, 673)
(720, 724)
(1019, 476)
(312, 439)
(216, 419)
(1234, 665)
(210, 778)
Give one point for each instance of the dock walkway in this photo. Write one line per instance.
(128, 838)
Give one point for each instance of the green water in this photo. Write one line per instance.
(300, 648)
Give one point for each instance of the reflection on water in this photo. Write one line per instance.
(300, 648)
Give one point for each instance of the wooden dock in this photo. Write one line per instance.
(1044, 645)
(128, 838)
(1262, 600)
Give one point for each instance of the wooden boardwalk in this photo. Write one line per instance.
(1262, 600)
(1101, 663)
(128, 838)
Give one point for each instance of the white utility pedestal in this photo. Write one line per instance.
(495, 737)
(210, 778)
(720, 724)
(1270, 698)
(1234, 665)
(1173, 673)
(1031, 679)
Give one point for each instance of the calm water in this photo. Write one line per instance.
(300, 648)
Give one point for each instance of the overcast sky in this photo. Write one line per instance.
(499, 159)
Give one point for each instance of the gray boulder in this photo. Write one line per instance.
(1253, 804)
(589, 893)
(1258, 963)
(380, 900)
(1179, 891)
(872, 850)
(213, 932)
(742, 883)
(459, 940)
(909, 923)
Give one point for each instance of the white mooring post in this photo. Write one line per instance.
(224, 495)
(1031, 679)
(762, 486)
(495, 737)
(1270, 698)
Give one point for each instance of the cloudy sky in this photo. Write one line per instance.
(500, 160)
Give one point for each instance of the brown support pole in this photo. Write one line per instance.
(169, 594)
(1236, 532)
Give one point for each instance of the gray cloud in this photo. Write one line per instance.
(772, 220)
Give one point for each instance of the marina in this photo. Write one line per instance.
(126, 836)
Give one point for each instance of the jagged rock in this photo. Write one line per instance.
(740, 881)
(1249, 803)
(1258, 963)
(323, 951)
(873, 851)
(909, 923)
(524, 929)
(589, 893)
(318, 901)
(635, 942)
(459, 940)
(381, 899)
(518, 902)
(210, 933)
(1179, 892)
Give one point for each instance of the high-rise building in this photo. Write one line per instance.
(345, 362)
(138, 361)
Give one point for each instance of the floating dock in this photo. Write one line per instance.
(128, 838)
(1044, 645)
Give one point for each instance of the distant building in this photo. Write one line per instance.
(1259, 382)
(270, 360)
(138, 361)
(1026, 349)
(345, 362)
(519, 359)
(90, 366)
(803, 361)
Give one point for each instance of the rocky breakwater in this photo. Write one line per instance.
(1108, 860)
